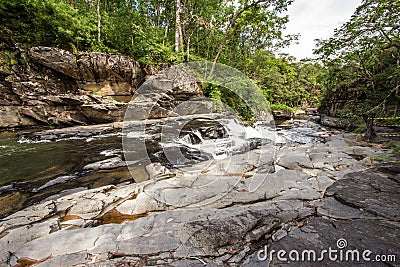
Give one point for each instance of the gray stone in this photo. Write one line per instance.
(29, 215)
(278, 235)
(66, 260)
(378, 236)
(372, 191)
(56, 181)
(16, 238)
(110, 163)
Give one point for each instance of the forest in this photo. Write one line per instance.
(353, 73)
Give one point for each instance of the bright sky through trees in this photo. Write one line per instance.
(316, 19)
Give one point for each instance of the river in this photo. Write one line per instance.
(34, 170)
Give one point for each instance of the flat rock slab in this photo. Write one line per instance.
(177, 234)
(376, 191)
(213, 217)
(320, 234)
(360, 213)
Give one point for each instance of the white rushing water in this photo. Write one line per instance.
(238, 138)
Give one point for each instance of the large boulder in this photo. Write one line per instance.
(282, 114)
(56, 87)
(108, 74)
(168, 93)
(336, 122)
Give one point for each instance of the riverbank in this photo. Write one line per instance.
(311, 195)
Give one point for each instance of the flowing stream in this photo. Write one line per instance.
(32, 171)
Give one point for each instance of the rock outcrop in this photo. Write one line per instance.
(336, 122)
(108, 74)
(282, 114)
(50, 86)
(161, 95)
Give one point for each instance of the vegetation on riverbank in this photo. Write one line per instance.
(357, 72)
(362, 60)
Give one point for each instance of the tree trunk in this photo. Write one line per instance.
(188, 46)
(165, 34)
(98, 22)
(228, 29)
(158, 15)
(132, 39)
(178, 26)
(396, 108)
(369, 125)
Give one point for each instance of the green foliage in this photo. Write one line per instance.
(229, 98)
(388, 145)
(359, 129)
(295, 84)
(362, 62)
(281, 107)
(380, 157)
(145, 29)
(345, 113)
(97, 92)
(44, 22)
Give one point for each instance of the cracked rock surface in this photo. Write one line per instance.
(214, 218)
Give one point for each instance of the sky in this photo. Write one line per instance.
(315, 19)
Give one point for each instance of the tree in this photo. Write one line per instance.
(278, 5)
(98, 22)
(178, 26)
(363, 63)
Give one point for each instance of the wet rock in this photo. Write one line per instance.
(282, 114)
(211, 214)
(110, 163)
(56, 181)
(11, 202)
(6, 189)
(70, 132)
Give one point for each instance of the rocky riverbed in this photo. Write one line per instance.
(218, 193)
(304, 196)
